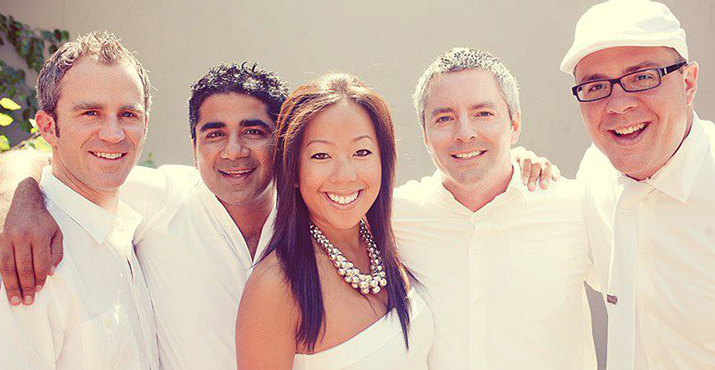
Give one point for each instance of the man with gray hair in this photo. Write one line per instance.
(503, 268)
(96, 312)
(649, 177)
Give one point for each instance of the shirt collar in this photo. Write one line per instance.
(677, 177)
(92, 218)
(515, 190)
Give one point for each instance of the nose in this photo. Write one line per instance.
(111, 131)
(464, 129)
(234, 149)
(620, 100)
(344, 171)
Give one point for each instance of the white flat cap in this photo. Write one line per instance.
(624, 23)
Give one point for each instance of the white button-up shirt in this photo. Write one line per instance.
(654, 247)
(196, 264)
(505, 283)
(95, 313)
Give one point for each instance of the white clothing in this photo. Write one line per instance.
(506, 283)
(654, 248)
(95, 312)
(381, 346)
(196, 264)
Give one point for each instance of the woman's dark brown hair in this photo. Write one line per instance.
(291, 240)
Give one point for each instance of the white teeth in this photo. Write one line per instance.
(107, 155)
(630, 129)
(341, 199)
(241, 172)
(469, 155)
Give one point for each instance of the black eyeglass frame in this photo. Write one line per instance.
(661, 73)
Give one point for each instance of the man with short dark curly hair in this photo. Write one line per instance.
(203, 229)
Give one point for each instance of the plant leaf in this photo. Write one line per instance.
(8, 104)
(41, 144)
(5, 120)
(4, 143)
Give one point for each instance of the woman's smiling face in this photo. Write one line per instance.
(339, 168)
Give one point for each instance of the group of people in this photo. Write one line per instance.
(285, 247)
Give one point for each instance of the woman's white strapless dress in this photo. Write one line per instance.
(381, 346)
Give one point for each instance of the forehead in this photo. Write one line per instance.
(340, 123)
(462, 89)
(233, 108)
(616, 61)
(115, 84)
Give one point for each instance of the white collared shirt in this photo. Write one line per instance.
(505, 283)
(196, 264)
(95, 312)
(654, 248)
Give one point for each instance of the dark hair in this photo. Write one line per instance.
(291, 239)
(255, 81)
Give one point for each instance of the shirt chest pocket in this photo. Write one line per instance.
(539, 274)
(108, 341)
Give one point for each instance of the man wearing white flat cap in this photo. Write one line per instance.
(649, 175)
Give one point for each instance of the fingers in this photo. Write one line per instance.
(42, 261)
(25, 272)
(546, 173)
(7, 270)
(534, 173)
(57, 251)
(526, 165)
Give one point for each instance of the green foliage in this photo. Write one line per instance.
(33, 45)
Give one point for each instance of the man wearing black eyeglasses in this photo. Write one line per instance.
(649, 176)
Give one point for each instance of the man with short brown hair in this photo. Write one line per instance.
(96, 312)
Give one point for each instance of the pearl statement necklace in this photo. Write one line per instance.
(364, 283)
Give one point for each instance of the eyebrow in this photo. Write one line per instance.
(244, 123)
(480, 105)
(631, 69)
(90, 106)
(327, 142)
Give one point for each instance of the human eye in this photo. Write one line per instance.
(255, 132)
(320, 156)
(214, 134)
(128, 114)
(90, 113)
(483, 114)
(595, 86)
(643, 76)
(363, 153)
(442, 119)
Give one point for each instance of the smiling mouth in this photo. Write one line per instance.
(630, 130)
(343, 200)
(108, 155)
(236, 173)
(468, 155)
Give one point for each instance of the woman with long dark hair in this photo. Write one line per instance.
(330, 291)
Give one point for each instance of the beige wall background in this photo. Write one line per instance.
(386, 43)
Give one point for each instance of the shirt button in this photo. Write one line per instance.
(107, 323)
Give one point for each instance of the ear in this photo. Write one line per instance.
(47, 126)
(691, 82)
(515, 127)
(424, 137)
(193, 148)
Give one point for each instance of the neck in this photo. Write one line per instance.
(106, 199)
(478, 194)
(250, 217)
